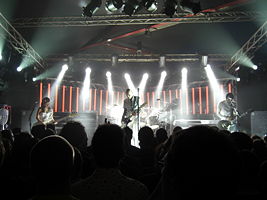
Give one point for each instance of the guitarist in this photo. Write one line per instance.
(44, 115)
(228, 113)
(130, 105)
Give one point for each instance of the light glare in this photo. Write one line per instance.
(255, 67)
(164, 73)
(184, 70)
(65, 67)
(145, 76)
(88, 70)
(126, 75)
(19, 69)
(130, 83)
(108, 74)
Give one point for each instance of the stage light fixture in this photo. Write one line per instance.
(1, 57)
(189, 6)
(113, 5)
(19, 69)
(65, 67)
(91, 8)
(236, 69)
(150, 5)
(170, 7)
(88, 70)
(108, 74)
(238, 79)
(131, 7)
(255, 67)
(184, 70)
(145, 75)
(34, 79)
(164, 73)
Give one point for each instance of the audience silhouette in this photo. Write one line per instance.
(107, 182)
(51, 162)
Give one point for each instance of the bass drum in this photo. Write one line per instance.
(153, 120)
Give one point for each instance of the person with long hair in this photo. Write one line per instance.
(44, 114)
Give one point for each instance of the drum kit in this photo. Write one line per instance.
(152, 117)
(157, 118)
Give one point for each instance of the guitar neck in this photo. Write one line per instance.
(63, 118)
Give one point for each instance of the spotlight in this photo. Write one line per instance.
(113, 5)
(1, 57)
(19, 69)
(88, 70)
(150, 5)
(184, 70)
(170, 7)
(131, 7)
(145, 75)
(91, 8)
(65, 67)
(164, 73)
(238, 79)
(255, 67)
(108, 74)
(236, 69)
(34, 79)
(126, 75)
(189, 6)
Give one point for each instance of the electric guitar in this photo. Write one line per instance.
(227, 123)
(130, 117)
(53, 122)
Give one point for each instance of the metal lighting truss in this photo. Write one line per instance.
(250, 47)
(139, 58)
(207, 17)
(16, 40)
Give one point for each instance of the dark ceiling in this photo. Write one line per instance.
(185, 38)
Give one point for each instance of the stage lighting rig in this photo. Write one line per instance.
(150, 5)
(91, 8)
(170, 7)
(189, 6)
(131, 7)
(113, 5)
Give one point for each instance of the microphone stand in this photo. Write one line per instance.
(30, 116)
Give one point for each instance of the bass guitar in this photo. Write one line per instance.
(226, 124)
(54, 122)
